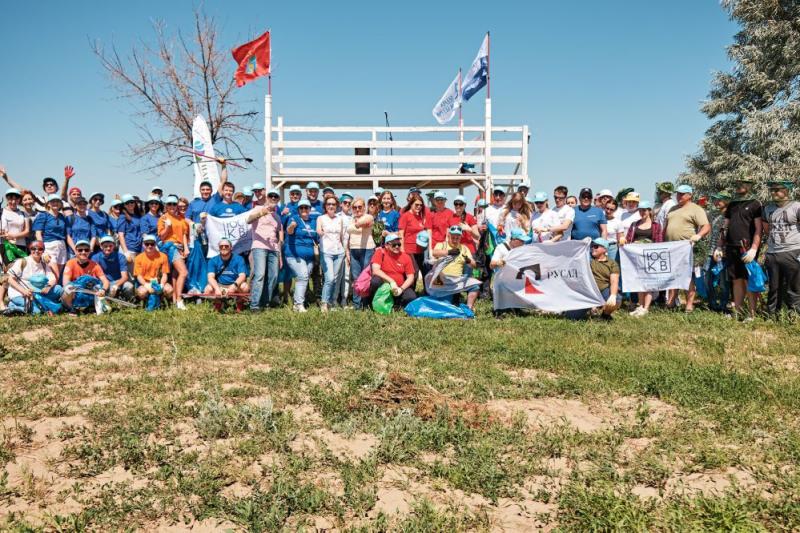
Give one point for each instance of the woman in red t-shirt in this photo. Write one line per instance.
(471, 233)
(412, 221)
(390, 265)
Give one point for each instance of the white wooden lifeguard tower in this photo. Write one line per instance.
(360, 157)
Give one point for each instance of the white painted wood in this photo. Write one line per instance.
(409, 159)
(394, 129)
(396, 145)
(268, 141)
(487, 151)
(523, 169)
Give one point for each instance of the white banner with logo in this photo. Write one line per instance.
(205, 169)
(656, 266)
(553, 277)
(445, 109)
(235, 229)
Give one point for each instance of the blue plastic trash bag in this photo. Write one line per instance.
(154, 300)
(756, 277)
(426, 307)
(196, 265)
(81, 300)
(717, 287)
(700, 285)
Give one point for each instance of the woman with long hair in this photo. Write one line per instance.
(388, 213)
(129, 229)
(173, 228)
(644, 230)
(412, 222)
(516, 214)
(361, 245)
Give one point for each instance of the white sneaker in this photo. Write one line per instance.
(640, 312)
(299, 308)
(180, 305)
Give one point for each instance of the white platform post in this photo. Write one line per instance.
(268, 141)
(487, 151)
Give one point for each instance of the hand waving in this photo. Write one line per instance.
(69, 171)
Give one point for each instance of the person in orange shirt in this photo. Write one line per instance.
(78, 266)
(173, 228)
(151, 265)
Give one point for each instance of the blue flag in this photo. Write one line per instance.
(478, 74)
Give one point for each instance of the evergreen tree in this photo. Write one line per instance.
(756, 106)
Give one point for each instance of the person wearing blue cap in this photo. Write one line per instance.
(50, 227)
(439, 221)
(454, 273)
(114, 212)
(154, 207)
(606, 274)
(80, 226)
(312, 195)
(101, 222)
(470, 232)
(544, 221)
(295, 194)
(495, 210)
(782, 227)
(645, 230)
(266, 250)
(687, 221)
(302, 241)
(129, 229)
(31, 279)
(82, 272)
(516, 239)
(115, 267)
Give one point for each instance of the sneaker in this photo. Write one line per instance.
(180, 305)
(298, 308)
(639, 311)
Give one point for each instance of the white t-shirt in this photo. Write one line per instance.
(614, 227)
(32, 268)
(661, 216)
(565, 213)
(501, 251)
(493, 214)
(545, 220)
(13, 222)
(629, 218)
(332, 234)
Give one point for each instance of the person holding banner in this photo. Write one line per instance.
(501, 251)
(606, 275)
(643, 231)
(686, 221)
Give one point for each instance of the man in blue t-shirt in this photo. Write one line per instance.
(312, 194)
(589, 221)
(227, 208)
(227, 272)
(290, 209)
(115, 267)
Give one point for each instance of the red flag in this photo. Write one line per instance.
(253, 59)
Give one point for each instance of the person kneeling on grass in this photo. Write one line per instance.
(115, 267)
(31, 279)
(151, 270)
(81, 272)
(227, 272)
(517, 238)
(390, 265)
(606, 276)
(454, 278)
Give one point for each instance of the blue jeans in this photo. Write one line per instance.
(331, 266)
(265, 277)
(18, 303)
(301, 268)
(359, 260)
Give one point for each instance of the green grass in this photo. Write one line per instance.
(227, 419)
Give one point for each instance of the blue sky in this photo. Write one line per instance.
(611, 90)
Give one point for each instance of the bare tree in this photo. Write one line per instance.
(170, 83)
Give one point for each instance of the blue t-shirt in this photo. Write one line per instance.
(132, 231)
(587, 223)
(223, 210)
(292, 211)
(112, 224)
(198, 206)
(301, 243)
(226, 274)
(52, 228)
(80, 228)
(102, 223)
(390, 220)
(149, 224)
(113, 265)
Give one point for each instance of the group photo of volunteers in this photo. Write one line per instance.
(432, 253)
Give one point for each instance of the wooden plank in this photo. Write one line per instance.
(396, 145)
(408, 159)
(400, 129)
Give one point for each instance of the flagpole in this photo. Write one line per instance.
(460, 119)
(488, 63)
(487, 131)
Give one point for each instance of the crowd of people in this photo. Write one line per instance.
(68, 251)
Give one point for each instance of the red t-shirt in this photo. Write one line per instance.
(466, 238)
(396, 266)
(411, 224)
(439, 222)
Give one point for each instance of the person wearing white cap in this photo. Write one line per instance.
(393, 266)
(153, 209)
(266, 249)
(524, 188)
(453, 273)
(471, 233)
(544, 220)
(302, 243)
(332, 238)
(495, 209)
(115, 267)
(440, 221)
(173, 231)
(101, 222)
(644, 230)
(50, 226)
(14, 225)
(77, 267)
(295, 194)
(312, 195)
(687, 221)
(151, 270)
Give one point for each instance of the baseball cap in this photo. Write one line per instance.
(606, 192)
(171, 199)
(454, 230)
(49, 179)
(106, 238)
(115, 202)
(75, 189)
(12, 191)
(303, 203)
(157, 188)
(519, 235)
(345, 195)
(312, 185)
(247, 191)
(295, 188)
(148, 238)
(685, 189)
(498, 188)
(391, 237)
(482, 202)
(82, 242)
(272, 192)
(776, 184)
(128, 198)
(81, 200)
(439, 195)
(423, 239)
(154, 198)
(257, 186)
(632, 196)
(665, 186)
(414, 189)
(53, 198)
(585, 192)
(644, 204)
(379, 190)
(459, 198)
(101, 195)
(540, 196)
(327, 189)
(601, 242)
(523, 185)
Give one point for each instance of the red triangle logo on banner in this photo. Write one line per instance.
(529, 288)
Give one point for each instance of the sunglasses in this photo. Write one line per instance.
(330, 205)
(223, 247)
(346, 202)
(458, 204)
(273, 196)
(303, 207)
(596, 246)
(560, 197)
(82, 250)
(170, 203)
(149, 244)
(358, 207)
(416, 204)
(37, 249)
(394, 245)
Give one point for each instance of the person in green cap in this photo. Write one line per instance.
(720, 200)
(664, 192)
(740, 240)
(782, 226)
